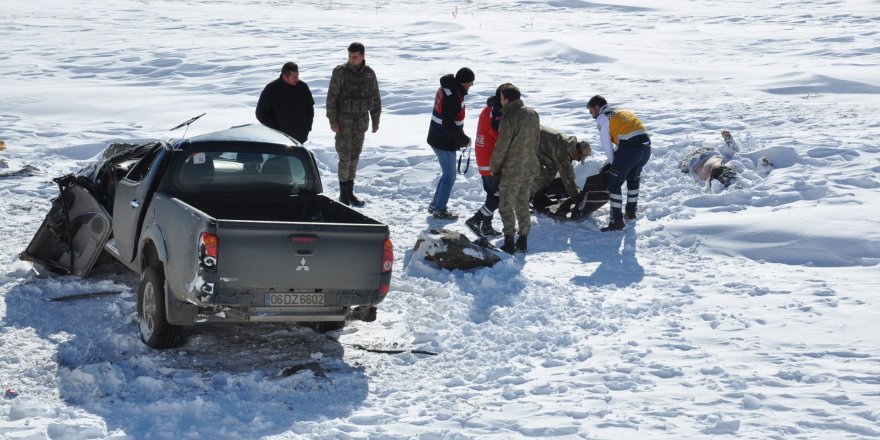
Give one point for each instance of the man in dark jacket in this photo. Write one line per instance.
(286, 104)
(446, 135)
(353, 102)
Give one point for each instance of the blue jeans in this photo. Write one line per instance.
(447, 179)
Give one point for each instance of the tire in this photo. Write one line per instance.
(326, 326)
(153, 325)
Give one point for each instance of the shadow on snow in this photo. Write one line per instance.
(226, 381)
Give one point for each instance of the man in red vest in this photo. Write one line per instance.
(487, 135)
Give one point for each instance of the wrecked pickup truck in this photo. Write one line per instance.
(229, 226)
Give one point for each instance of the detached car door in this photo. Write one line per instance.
(133, 193)
(72, 235)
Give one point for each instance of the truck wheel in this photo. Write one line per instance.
(155, 330)
(326, 326)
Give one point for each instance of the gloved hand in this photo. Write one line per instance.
(467, 144)
(605, 167)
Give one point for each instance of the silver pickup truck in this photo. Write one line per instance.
(228, 226)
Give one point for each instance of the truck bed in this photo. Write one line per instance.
(309, 208)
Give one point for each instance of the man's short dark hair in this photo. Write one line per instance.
(509, 91)
(288, 67)
(356, 47)
(498, 92)
(597, 100)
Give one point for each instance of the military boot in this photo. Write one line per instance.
(508, 245)
(615, 225)
(474, 224)
(522, 243)
(487, 229)
(343, 193)
(357, 203)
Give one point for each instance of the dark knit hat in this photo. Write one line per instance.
(464, 75)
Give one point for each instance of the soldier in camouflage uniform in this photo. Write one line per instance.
(555, 153)
(515, 162)
(352, 101)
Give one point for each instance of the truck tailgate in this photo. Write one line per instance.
(257, 257)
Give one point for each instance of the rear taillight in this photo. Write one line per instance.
(387, 256)
(387, 263)
(209, 249)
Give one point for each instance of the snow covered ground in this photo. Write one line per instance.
(747, 313)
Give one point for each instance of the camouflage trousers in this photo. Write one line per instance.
(350, 143)
(514, 207)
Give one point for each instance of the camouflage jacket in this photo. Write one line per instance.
(555, 151)
(515, 158)
(353, 90)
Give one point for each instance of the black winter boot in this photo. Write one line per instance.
(615, 225)
(357, 203)
(522, 244)
(508, 245)
(343, 193)
(474, 224)
(487, 229)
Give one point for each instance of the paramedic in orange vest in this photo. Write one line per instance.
(487, 134)
(624, 129)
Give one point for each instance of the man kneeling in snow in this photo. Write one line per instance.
(556, 151)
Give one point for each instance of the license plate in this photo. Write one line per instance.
(294, 299)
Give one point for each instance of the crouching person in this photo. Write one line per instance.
(556, 151)
(516, 161)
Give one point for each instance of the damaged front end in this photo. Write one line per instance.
(79, 223)
(72, 235)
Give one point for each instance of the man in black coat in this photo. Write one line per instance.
(286, 104)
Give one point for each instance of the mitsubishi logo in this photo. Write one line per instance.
(302, 266)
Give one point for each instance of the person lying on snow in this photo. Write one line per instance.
(707, 164)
